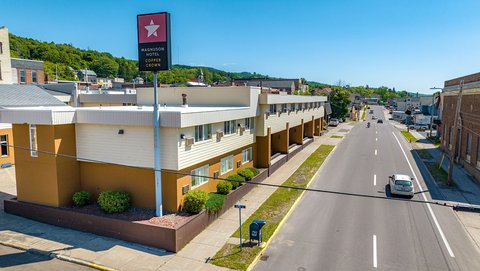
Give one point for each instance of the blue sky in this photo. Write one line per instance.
(406, 44)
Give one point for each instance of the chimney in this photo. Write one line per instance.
(184, 100)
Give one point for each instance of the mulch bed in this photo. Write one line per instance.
(137, 215)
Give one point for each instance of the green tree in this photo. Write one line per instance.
(339, 101)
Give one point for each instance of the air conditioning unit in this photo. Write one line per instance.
(189, 141)
(215, 174)
(239, 163)
(185, 189)
(242, 129)
(219, 134)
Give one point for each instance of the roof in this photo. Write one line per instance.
(89, 72)
(402, 177)
(26, 64)
(26, 95)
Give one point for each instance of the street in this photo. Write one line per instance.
(330, 231)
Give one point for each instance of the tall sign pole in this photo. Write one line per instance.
(154, 55)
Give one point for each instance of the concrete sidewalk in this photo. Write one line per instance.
(98, 252)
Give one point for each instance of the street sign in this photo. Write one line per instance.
(239, 206)
(154, 52)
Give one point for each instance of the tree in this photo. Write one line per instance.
(339, 101)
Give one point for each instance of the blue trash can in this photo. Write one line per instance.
(256, 230)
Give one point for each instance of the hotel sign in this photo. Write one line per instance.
(154, 42)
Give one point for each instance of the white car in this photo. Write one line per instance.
(333, 122)
(401, 185)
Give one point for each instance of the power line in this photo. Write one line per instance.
(242, 182)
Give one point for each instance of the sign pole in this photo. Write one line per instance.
(240, 206)
(158, 174)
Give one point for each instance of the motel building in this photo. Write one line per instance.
(62, 149)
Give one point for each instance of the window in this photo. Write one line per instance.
(246, 155)
(197, 178)
(450, 138)
(23, 76)
(292, 107)
(273, 108)
(3, 145)
(203, 132)
(284, 107)
(33, 141)
(468, 150)
(300, 106)
(226, 164)
(230, 127)
(1, 48)
(250, 123)
(34, 76)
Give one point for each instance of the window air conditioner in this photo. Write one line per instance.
(189, 141)
(219, 134)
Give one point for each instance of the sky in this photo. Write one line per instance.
(411, 45)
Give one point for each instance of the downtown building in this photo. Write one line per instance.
(467, 150)
(63, 149)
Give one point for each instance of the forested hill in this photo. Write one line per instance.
(68, 58)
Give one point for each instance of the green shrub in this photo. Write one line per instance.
(236, 180)
(245, 173)
(255, 171)
(215, 202)
(194, 201)
(224, 187)
(114, 201)
(81, 198)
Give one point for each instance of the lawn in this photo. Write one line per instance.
(273, 210)
(424, 154)
(336, 136)
(439, 174)
(409, 136)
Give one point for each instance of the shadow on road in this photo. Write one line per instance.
(21, 258)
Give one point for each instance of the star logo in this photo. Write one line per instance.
(152, 29)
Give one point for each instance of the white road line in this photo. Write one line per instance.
(375, 251)
(374, 179)
(376, 139)
(428, 204)
(375, 152)
(376, 132)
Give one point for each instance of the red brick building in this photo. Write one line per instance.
(467, 150)
(25, 71)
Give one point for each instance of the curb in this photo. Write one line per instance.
(284, 219)
(57, 256)
(466, 208)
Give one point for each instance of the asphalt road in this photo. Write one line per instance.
(14, 259)
(344, 232)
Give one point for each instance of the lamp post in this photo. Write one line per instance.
(433, 107)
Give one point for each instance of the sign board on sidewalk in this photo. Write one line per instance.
(154, 52)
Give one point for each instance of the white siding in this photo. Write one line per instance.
(133, 148)
(205, 150)
(277, 122)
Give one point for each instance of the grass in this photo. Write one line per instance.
(438, 173)
(273, 210)
(336, 136)
(215, 202)
(409, 136)
(424, 154)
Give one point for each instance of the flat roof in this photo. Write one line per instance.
(144, 108)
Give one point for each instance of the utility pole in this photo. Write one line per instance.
(455, 134)
(433, 109)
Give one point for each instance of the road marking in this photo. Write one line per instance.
(376, 139)
(375, 152)
(374, 179)
(428, 204)
(376, 132)
(375, 251)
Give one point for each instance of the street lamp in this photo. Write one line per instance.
(433, 107)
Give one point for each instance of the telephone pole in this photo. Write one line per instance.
(433, 109)
(455, 134)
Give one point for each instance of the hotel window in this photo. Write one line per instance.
(246, 155)
(230, 127)
(284, 108)
(33, 141)
(203, 132)
(468, 151)
(250, 123)
(198, 174)
(34, 76)
(292, 107)
(273, 108)
(23, 76)
(300, 106)
(3, 145)
(226, 164)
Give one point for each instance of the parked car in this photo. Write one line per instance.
(380, 121)
(371, 112)
(401, 185)
(333, 122)
(374, 118)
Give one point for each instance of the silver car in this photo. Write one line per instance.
(401, 185)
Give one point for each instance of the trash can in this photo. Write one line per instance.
(256, 230)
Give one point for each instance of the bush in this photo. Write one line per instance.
(215, 202)
(255, 171)
(236, 180)
(224, 187)
(245, 173)
(81, 198)
(194, 201)
(114, 201)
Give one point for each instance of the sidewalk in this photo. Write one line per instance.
(98, 251)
